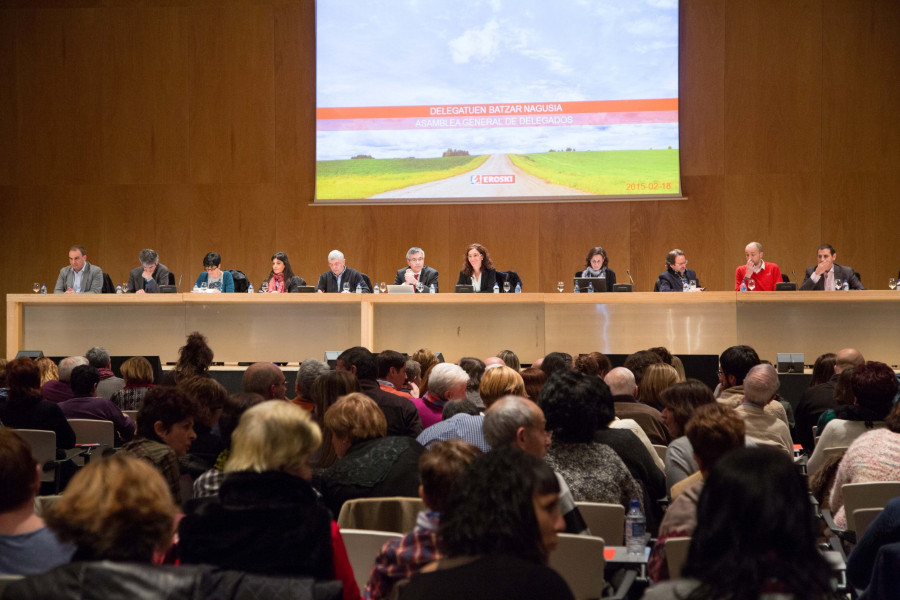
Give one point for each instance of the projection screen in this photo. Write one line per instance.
(424, 101)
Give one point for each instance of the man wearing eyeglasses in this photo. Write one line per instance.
(417, 272)
(677, 274)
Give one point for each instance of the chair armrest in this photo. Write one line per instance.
(624, 588)
(842, 534)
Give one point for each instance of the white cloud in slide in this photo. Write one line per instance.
(482, 44)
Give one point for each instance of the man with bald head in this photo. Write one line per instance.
(764, 275)
(760, 387)
(820, 398)
(493, 361)
(517, 422)
(265, 379)
(622, 385)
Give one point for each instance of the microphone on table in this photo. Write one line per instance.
(629, 277)
(794, 275)
(179, 281)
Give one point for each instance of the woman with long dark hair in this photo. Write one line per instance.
(755, 535)
(597, 265)
(478, 270)
(281, 278)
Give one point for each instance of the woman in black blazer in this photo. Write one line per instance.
(281, 278)
(595, 265)
(478, 270)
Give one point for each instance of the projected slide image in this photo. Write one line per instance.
(423, 100)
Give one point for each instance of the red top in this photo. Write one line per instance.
(765, 279)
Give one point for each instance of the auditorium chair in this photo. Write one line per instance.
(579, 559)
(676, 554)
(605, 520)
(363, 546)
(396, 514)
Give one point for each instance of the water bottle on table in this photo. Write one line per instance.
(635, 525)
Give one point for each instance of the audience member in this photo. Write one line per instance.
(502, 518)
(498, 382)
(760, 387)
(60, 391)
(510, 359)
(87, 405)
(324, 392)
(474, 368)
(594, 472)
(556, 361)
(447, 382)
(194, 360)
(819, 397)
(147, 278)
(80, 277)
(587, 364)
(657, 378)
(874, 386)
(440, 469)
(109, 384)
(426, 359)
(23, 407)
(734, 364)
(873, 456)
(637, 363)
(165, 430)
(534, 379)
(603, 362)
(369, 464)
(459, 406)
(208, 483)
(679, 403)
(310, 370)
(413, 379)
(116, 509)
(209, 396)
(265, 379)
(623, 388)
(26, 545)
(267, 517)
(401, 414)
(391, 372)
(755, 534)
(461, 420)
(513, 421)
(714, 430)
(138, 374)
(48, 370)
(843, 397)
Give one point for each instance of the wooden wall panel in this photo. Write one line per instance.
(190, 126)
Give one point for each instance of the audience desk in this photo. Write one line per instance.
(291, 327)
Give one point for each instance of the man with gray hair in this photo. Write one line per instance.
(340, 277)
(147, 278)
(446, 382)
(760, 386)
(109, 384)
(60, 391)
(417, 272)
(309, 371)
(517, 422)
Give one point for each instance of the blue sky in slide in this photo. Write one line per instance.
(415, 52)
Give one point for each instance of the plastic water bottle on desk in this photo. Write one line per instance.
(685, 286)
(359, 288)
(249, 288)
(635, 525)
(518, 287)
(496, 288)
(743, 285)
(590, 289)
(845, 287)
(196, 289)
(119, 288)
(43, 288)
(577, 290)
(431, 289)
(375, 289)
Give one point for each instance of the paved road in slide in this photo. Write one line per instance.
(496, 178)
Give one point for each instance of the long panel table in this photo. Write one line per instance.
(242, 327)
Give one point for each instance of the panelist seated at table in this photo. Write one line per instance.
(147, 278)
(213, 276)
(757, 274)
(826, 274)
(417, 272)
(597, 265)
(677, 273)
(281, 279)
(478, 270)
(80, 277)
(340, 277)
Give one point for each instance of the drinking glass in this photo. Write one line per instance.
(204, 286)
(382, 287)
(751, 285)
(264, 287)
(125, 288)
(506, 287)
(346, 287)
(560, 286)
(36, 287)
(892, 283)
(420, 287)
(838, 284)
(693, 285)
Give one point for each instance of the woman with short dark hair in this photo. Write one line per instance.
(497, 531)
(597, 265)
(23, 408)
(214, 277)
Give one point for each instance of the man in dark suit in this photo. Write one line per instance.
(676, 273)
(820, 398)
(339, 274)
(824, 274)
(147, 278)
(417, 272)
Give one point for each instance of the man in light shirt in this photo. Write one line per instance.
(824, 275)
(80, 277)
